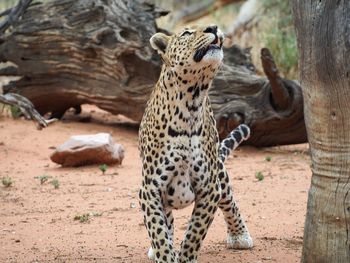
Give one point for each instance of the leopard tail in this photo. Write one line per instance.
(235, 138)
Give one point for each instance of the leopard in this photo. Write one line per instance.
(182, 156)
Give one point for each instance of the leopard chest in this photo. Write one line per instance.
(184, 171)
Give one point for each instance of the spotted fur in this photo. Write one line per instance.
(182, 161)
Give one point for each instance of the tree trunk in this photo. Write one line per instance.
(323, 33)
(73, 52)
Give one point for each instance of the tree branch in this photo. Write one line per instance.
(26, 107)
(14, 14)
(5, 12)
(280, 96)
(9, 71)
(196, 11)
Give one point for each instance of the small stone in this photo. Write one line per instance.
(88, 149)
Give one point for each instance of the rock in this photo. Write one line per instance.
(88, 149)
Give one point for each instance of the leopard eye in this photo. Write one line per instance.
(186, 33)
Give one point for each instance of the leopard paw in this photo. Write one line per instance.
(150, 254)
(241, 241)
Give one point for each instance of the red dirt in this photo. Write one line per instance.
(37, 221)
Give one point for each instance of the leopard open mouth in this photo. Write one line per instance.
(201, 52)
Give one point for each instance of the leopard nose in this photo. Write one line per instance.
(211, 29)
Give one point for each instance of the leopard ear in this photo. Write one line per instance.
(159, 42)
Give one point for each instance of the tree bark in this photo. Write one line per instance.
(323, 33)
(73, 52)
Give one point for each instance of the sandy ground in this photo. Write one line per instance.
(37, 221)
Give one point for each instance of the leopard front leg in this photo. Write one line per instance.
(238, 235)
(170, 224)
(201, 219)
(155, 222)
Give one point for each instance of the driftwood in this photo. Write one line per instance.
(197, 10)
(72, 52)
(248, 15)
(26, 107)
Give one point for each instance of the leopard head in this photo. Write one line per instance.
(193, 48)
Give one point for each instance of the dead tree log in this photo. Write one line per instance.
(73, 52)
